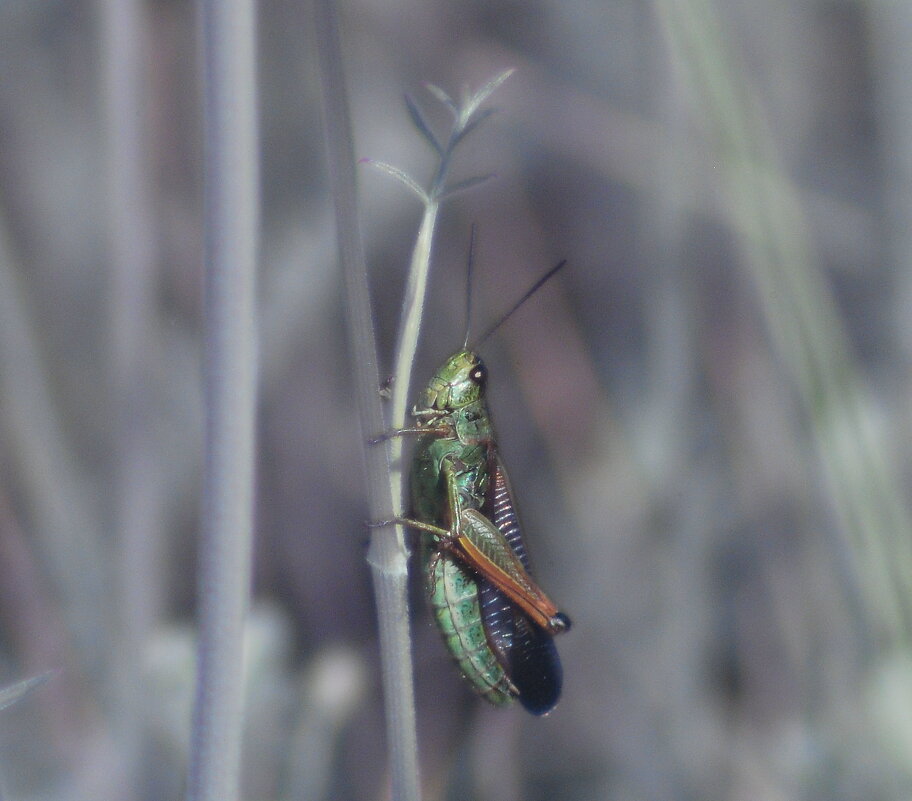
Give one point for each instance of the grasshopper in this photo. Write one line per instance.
(497, 623)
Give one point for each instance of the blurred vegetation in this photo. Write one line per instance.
(706, 418)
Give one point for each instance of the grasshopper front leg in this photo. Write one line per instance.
(441, 430)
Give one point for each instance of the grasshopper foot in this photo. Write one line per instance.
(381, 523)
(385, 390)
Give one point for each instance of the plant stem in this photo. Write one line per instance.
(388, 557)
(131, 301)
(232, 191)
(409, 331)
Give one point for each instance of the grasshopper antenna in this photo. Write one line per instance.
(469, 270)
(529, 293)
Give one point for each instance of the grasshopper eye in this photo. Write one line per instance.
(479, 375)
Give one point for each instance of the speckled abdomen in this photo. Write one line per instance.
(453, 592)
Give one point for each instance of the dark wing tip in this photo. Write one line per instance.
(536, 670)
(539, 707)
(539, 694)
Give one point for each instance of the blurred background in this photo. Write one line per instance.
(706, 416)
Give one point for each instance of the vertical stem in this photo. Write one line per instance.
(407, 346)
(231, 174)
(388, 557)
(132, 263)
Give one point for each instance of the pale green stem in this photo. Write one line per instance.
(410, 328)
(387, 557)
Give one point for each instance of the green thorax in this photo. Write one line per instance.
(429, 494)
(453, 398)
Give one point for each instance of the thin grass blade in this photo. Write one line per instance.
(473, 102)
(16, 692)
(421, 124)
(401, 176)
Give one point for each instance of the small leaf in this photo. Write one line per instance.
(462, 186)
(9, 695)
(472, 103)
(389, 169)
(421, 124)
(443, 97)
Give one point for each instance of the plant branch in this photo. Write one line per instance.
(464, 120)
(388, 557)
(15, 692)
(231, 209)
(131, 301)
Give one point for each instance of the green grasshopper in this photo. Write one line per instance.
(496, 621)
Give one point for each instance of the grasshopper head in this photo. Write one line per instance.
(459, 381)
